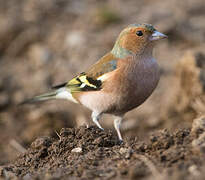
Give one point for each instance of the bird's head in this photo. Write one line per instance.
(136, 39)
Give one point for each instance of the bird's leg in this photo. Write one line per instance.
(117, 123)
(96, 117)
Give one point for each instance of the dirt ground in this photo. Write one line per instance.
(90, 153)
(44, 43)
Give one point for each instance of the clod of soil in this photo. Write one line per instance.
(90, 153)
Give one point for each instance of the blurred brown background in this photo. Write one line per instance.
(46, 42)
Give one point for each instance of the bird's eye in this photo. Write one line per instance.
(139, 33)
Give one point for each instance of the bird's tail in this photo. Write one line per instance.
(60, 93)
(43, 97)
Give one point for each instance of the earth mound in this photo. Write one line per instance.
(90, 153)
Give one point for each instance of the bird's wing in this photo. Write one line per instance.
(93, 79)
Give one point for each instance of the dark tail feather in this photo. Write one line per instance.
(43, 97)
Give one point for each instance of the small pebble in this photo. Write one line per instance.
(77, 150)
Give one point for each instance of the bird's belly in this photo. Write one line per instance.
(137, 92)
(118, 102)
(122, 97)
(135, 96)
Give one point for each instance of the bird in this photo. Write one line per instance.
(119, 81)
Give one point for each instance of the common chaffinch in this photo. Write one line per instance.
(120, 81)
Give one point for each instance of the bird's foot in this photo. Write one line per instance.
(101, 128)
(120, 142)
(98, 125)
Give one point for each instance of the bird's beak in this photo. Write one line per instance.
(156, 35)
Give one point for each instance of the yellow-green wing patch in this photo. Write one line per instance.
(84, 83)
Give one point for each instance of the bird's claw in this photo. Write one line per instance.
(120, 142)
